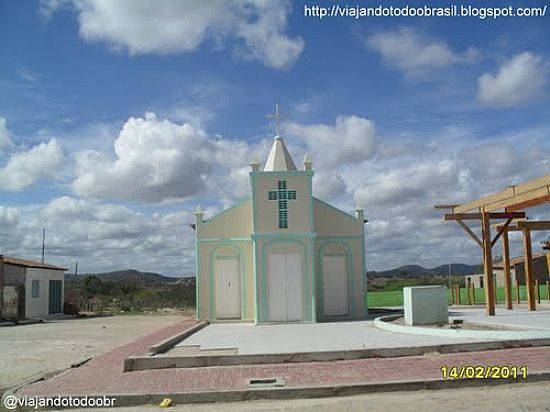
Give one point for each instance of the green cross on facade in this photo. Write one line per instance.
(282, 196)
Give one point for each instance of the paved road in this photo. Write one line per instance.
(506, 398)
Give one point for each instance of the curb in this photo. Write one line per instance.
(136, 363)
(136, 399)
(168, 343)
(383, 323)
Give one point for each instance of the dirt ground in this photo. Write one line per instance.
(525, 397)
(30, 351)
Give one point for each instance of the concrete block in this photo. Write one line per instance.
(425, 305)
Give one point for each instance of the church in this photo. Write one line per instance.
(281, 255)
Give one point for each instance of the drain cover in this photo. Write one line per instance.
(262, 382)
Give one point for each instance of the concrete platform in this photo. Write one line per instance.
(250, 339)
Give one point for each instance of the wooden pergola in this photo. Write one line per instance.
(508, 206)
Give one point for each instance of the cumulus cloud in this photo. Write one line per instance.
(517, 81)
(258, 26)
(24, 168)
(155, 160)
(100, 236)
(5, 140)
(351, 140)
(415, 54)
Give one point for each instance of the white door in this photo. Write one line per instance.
(335, 286)
(284, 285)
(228, 289)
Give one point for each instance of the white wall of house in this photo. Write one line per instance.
(39, 306)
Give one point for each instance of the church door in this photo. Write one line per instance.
(228, 288)
(335, 285)
(284, 286)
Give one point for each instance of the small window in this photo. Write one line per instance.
(292, 194)
(282, 204)
(35, 288)
(283, 219)
(282, 194)
(272, 195)
(281, 184)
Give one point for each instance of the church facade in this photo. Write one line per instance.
(281, 255)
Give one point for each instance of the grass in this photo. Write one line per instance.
(395, 298)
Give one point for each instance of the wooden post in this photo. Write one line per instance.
(473, 294)
(506, 268)
(452, 291)
(528, 262)
(458, 294)
(548, 289)
(518, 295)
(537, 282)
(468, 290)
(488, 264)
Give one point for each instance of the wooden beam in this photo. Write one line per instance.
(528, 264)
(499, 231)
(534, 225)
(506, 268)
(470, 232)
(508, 198)
(446, 206)
(488, 265)
(477, 216)
(534, 197)
(528, 203)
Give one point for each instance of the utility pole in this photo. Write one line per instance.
(76, 269)
(43, 242)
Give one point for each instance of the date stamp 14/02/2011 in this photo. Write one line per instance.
(484, 372)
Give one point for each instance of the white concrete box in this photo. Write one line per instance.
(425, 305)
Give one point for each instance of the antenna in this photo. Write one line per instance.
(43, 242)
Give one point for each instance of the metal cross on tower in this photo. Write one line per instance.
(282, 196)
(277, 116)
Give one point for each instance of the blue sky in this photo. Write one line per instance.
(117, 118)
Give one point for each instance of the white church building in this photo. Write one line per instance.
(280, 255)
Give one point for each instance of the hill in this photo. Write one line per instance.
(129, 274)
(415, 271)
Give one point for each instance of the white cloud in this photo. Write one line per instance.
(27, 167)
(4, 134)
(155, 160)
(167, 26)
(100, 236)
(415, 54)
(351, 140)
(518, 80)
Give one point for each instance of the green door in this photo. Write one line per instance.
(56, 301)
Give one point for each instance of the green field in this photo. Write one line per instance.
(395, 298)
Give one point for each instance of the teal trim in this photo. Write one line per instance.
(311, 212)
(264, 312)
(197, 273)
(254, 207)
(364, 275)
(284, 173)
(289, 235)
(212, 304)
(350, 274)
(313, 290)
(323, 203)
(223, 212)
(255, 277)
(229, 239)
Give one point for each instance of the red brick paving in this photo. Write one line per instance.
(103, 374)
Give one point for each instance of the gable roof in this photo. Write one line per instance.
(279, 158)
(30, 263)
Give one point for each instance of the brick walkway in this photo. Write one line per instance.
(103, 374)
